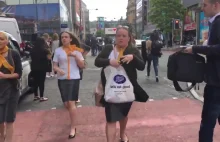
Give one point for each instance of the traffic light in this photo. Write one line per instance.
(176, 24)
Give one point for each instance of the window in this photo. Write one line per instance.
(12, 2)
(27, 1)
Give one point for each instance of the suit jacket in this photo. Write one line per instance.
(212, 52)
(131, 69)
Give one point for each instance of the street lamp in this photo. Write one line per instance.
(88, 15)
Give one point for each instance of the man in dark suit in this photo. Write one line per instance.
(211, 106)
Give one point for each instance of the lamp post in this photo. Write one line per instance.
(88, 16)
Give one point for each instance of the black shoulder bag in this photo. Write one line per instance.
(185, 67)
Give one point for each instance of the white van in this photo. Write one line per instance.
(10, 26)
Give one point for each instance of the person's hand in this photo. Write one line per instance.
(127, 58)
(2, 75)
(114, 63)
(61, 72)
(188, 49)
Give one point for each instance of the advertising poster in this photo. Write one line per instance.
(204, 28)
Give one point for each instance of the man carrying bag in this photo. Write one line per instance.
(211, 107)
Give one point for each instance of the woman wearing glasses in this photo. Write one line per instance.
(130, 59)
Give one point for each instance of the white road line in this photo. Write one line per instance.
(79, 105)
(28, 110)
(53, 108)
(151, 100)
(175, 98)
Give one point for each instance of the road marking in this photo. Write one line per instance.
(53, 108)
(79, 105)
(28, 110)
(175, 98)
(151, 100)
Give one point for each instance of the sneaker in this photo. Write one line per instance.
(48, 76)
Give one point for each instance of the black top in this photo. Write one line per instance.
(17, 62)
(212, 52)
(39, 60)
(131, 69)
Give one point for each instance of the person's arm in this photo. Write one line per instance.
(55, 63)
(80, 60)
(18, 67)
(102, 60)
(138, 61)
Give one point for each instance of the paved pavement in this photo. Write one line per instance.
(169, 116)
(159, 121)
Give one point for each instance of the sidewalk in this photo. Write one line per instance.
(157, 121)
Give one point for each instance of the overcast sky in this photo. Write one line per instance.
(107, 8)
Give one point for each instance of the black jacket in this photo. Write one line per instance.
(131, 69)
(212, 52)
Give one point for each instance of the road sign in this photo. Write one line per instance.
(64, 25)
(110, 31)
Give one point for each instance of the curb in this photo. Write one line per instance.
(194, 94)
(171, 49)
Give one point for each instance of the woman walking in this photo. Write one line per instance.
(39, 66)
(70, 60)
(10, 72)
(130, 59)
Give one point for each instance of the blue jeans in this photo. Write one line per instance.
(155, 60)
(210, 113)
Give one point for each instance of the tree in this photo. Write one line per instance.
(100, 33)
(162, 12)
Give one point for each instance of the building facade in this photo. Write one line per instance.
(46, 16)
(131, 13)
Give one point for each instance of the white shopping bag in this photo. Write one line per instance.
(118, 88)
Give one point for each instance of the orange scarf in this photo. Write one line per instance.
(4, 62)
(69, 50)
(121, 52)
(72, 48)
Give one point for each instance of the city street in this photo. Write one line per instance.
(169, 116)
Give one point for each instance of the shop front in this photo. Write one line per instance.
(189, 35)
(203, 27)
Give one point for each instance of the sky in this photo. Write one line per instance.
(109, 9)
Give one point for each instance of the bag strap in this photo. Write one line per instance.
(178, 88)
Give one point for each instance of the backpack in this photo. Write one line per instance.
(156, 48)
(185, 67)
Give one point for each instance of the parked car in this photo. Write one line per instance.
(138, 43)
(14, 44)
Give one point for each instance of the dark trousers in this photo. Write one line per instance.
(155, 60)
(39, 80)
(94, 50)
(210, 113)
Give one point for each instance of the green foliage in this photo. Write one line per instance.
(162, 12)
(100, 33)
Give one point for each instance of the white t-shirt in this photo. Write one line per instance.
(71, 70)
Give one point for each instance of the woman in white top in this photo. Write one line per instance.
(70, 59)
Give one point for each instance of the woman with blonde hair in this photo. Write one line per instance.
(10, 72)
(70, 60)
(126, 56)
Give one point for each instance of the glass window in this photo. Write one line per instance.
(12, 2)
(27, 1)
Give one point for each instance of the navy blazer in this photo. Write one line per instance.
(212, 52)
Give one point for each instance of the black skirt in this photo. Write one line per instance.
(69, 89)
(116, 112)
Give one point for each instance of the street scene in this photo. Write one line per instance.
(54, 61)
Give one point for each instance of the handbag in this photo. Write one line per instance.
(185, 67)
(30, 79)
(98, 94)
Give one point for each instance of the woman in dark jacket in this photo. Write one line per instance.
(10, 72)
(39, 66)
(130, 59)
